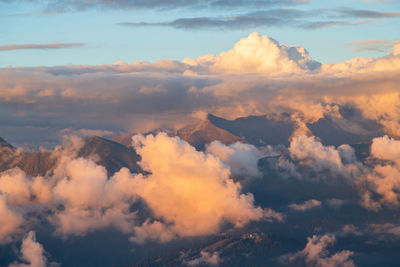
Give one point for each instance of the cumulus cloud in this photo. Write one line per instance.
(10, 221)
(241, 158)
(390, 62)
(316, 253)
(189, 193)
(382, 184)
(313, 154)
(207, 258)
(91, 200)
(189, 190)
(271, 57)
(235, 83)
(32, 252)
(306, 205)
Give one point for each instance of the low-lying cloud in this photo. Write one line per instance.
(189, 193)
(316, 253)
(32, 252)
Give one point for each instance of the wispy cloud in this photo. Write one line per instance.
(39, 46)
(298, 18)
(372, 45)
(64, 6)
(367, 14)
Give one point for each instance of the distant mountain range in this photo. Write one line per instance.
(257, 130)
(270, 130)
(112, 155)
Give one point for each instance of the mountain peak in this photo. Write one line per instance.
(5, 144)
(204, 131)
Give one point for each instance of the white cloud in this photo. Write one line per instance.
(313, 154)
(316, 254)
(261, 54)
(241, 158)
(31, 252)
(306, 205)
(10, 220)
(189, 190)
(207, 258)
(165, 93)
(382, 184)
(190, 194)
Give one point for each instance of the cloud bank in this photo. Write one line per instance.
(257, 76)
(189, 193)
(189, 190)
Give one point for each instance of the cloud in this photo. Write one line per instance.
(207, 258)
(63, 6)
(15, 184)
(234, 83)
(288, 17)
(276, 17)
(39, 46)
(367, 14)
(381, 185)
(316, 253)
(313, 154)
(10, 221)
(241, 158)
(86, 132)
(386, 229)
(307, 205)
(31, 252)
(190, 191)
(91, 200)
(372, 45)
(271, 57)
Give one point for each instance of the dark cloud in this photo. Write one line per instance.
(53, 6)
(367, 14)
(310, 19)
(39, 46)
(279, 17)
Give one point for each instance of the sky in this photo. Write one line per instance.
(309, 92)
(51, 33)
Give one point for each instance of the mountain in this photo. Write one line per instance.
(336, 132)
(127, 139)
(258, 130)
(4, 144)
(247, 249)
(273, 129)
(112, 155)
(204, 132)
(198, 135)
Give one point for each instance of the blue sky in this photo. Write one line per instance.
(104, 40)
